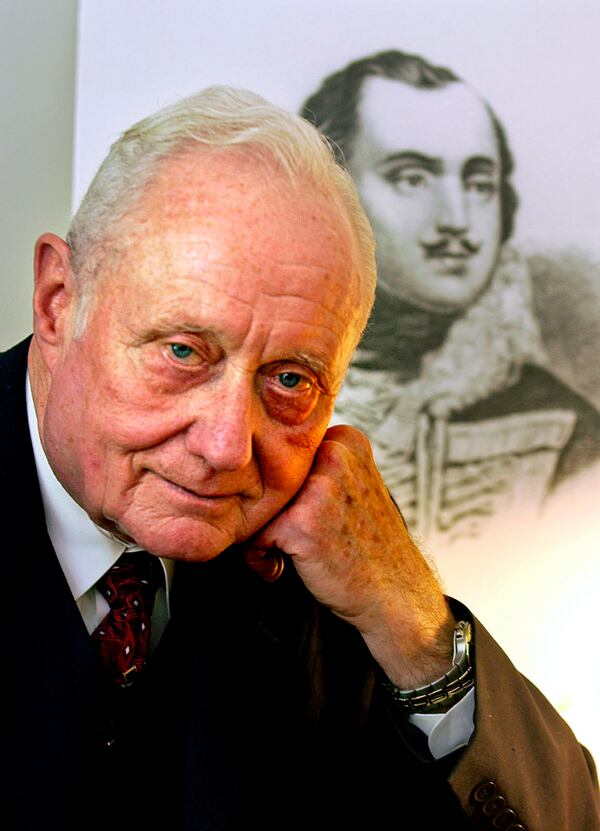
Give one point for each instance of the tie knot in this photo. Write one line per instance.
(132, 580)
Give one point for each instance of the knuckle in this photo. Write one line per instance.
(351, 437)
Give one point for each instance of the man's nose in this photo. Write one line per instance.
(223, 429)
(453, 213)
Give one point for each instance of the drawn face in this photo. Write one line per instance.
(427, 169)
(188, 412)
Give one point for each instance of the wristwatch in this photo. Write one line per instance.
(451, 685)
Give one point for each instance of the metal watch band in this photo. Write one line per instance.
(457, 680)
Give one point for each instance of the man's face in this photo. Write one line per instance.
(427, 169)
(189, 411)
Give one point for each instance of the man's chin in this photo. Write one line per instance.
(180, 539)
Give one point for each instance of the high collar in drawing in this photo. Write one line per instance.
(483, 352)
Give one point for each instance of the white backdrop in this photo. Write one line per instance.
(536, 62)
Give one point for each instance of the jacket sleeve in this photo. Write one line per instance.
(523, 762)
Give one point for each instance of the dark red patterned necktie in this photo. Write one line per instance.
(123, 636)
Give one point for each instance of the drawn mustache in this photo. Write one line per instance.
(451, 247)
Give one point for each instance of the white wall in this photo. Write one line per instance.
(37, 81)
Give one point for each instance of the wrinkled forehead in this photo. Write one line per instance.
(450, 121)
(234, 191)
(226, 218)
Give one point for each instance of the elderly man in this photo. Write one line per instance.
(450, 383)
(217, 618)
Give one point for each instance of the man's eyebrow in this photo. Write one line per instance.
(480, 164)
(166, 327)
(411, 158)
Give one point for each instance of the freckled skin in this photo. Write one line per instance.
(192, 412)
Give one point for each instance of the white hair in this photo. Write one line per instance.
(217, 117)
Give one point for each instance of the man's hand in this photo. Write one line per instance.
(352, 550)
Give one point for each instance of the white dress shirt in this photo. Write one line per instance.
(86, 552)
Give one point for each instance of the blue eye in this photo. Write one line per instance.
(180, 350)
(289, 379)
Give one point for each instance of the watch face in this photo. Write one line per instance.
(462, 639)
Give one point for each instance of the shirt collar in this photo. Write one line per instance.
(70, 529)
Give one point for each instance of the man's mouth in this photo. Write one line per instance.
(448, 255)
(201, 495)
(215, 495)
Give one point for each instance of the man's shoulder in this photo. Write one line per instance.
(13, 364)
(17, 469)
(13, 367)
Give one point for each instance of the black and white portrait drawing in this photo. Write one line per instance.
(452, 381)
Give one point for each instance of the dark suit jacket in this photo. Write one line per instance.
(258, 709)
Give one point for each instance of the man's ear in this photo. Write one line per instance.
(54, 296)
